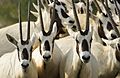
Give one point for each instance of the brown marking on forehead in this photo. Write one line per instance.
(109, 26)
(85, 45)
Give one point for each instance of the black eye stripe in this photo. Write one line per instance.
(109, 26)
(105, 15)
(64, 14)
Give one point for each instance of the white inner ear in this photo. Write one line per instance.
(54, 30)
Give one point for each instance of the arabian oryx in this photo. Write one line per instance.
(106, 28)
(47, 55)
(19, 63)
(61, 16)
(108, 55)
(78, 62)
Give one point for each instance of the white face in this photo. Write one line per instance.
(47, 43)
(106, 27)
(24, 50)
(83, 43)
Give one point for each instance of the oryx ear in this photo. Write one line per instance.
(54, 29)
(11, 39)
(108, 42)
(36, 7)
(111, 42)
(35, 13)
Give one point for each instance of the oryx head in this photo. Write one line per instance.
(60, 10)
(46, 38)
(107, 27)
(115, 44)
(24, 47)
(83, 38)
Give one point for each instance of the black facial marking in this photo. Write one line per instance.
(46, 46)
(71, 21)
(118, 52)
(101, 31)
(116, 11)
(109, 26)
(105, 15)
(25, 54)
(64, 14)
(58, 3)
(85, 45)
(113, 36)
(82, 11)
(111, 1)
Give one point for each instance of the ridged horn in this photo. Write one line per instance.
(75, 16)
(87, 16)
(97, 5)
(20, 24)
(28, 18)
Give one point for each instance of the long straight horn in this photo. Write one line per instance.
(97, 5)
(20, 24)
(110, 17)
(28, 30)
(53, 16)
(40, 13)
(117, 8)
(75, 15)
(87, 16)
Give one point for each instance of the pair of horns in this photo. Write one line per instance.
(41, 19)
(87, 17)
(20, 21)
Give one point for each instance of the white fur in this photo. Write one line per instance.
(71, 65)
(10, 67)
(105, 55)
(51, 68)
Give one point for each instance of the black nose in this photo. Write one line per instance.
(24, 66)
(47, 57)
(71, 21)
(85, 58)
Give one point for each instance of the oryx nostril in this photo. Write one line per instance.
(71, 21)
(24, 66)
(85, 58)
(47, 57)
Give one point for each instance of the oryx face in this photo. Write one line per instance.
(47, 43)
(83, 46)
(24, 50)
(61, 11)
